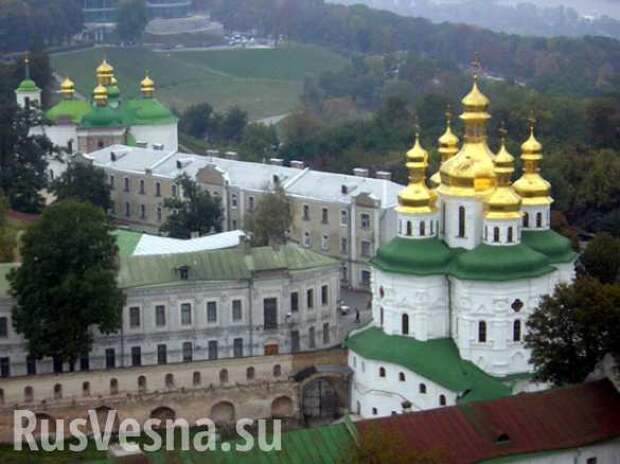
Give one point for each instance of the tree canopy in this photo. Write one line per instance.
(131, 20)
(271, 219)
(193, 211)
(84, 182)
(66, 284)
(601, 258)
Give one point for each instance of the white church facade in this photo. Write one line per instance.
(452, 292)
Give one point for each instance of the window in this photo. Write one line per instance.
(251, 203)
(381, 316)
(422, 388)
(213, 350)
(134, 317)
(374, 411)
(188, 352)
(461, 222)
(325, 216)
(136, 356)
(295, 341)
(366, 278)
(4, 327)
(526, 220)
(270, 313)
(325, 333)
(306, 213)
(113, 387)
(31, 365)
(405, 324)
(401, 376)
(365, 248)
(112, 182)
(496, 234)
(157, 189)
(238, 347)
(57, 391)
(307, 242)
(5, 367)
(127, 209)
(344, 217)
(233, 200)
(158, 214)
(224, 376)
(196, 379)
(482, 332)
(591, 460)
(294, 302)
(344, 246)
(409, 229)
(442, 400)
(160, 316)
(422, 228)
(382, 372)
(142, 384)
(539, 220)
(84, 362)
(325, 242)
(277, 370)
(510, 237)
(310, 298)
(174, 191)
(85, 388)
(29, 394)
(126, 184)
(142, 212)
(311, 338)
(212, 312)
(162, 354)
(516, 331)
(186, 314)
(110, 358)
(237, 310)
(57, 365)
(250, 373)
(325, 295)
(365, 221)
(141, 186)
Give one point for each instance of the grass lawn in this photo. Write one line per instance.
(264, 82)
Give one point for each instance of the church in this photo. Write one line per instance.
(473, 255)
(107, 118)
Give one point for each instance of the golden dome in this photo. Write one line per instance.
(475, 99)
(147, 86)
(105, 68)
(531, 186)
(67, 88)
(504, 202)
(100, 95)
(448, 147)
(416, 197)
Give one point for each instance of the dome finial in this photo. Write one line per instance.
(531, 120)
(27, 65)
(448, 115)
(503, 133)
(476, 66)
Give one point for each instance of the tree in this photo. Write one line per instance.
(232, 125)
(601, 258)
(7, 236)
(66, 285)
(259, 142)
(272, 218)
(195, 211)
(571, 330)
(195, 120)
(84, 182)
(23, 159)
(131, 19)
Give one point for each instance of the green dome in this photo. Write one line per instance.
(414, 256)
(68, 111)
(551, 244)
(114, 91)
(500, 263)
(28, 85)
(102, 116)
(148, 111)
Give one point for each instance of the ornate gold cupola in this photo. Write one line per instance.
(504, 202)
(105, 73)
(100, 96)
(147, 86)
(67, 89)
(448, 147)
(416, 198)
(531, 186)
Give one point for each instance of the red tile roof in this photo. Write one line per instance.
(527, 423)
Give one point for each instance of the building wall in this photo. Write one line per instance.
(166, 134)
(95, 139)
(607, 452)
(473, 221)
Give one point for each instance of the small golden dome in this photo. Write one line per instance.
(147, 86)
(100, 95)
(531, 146)
(531, 186)
(105, 68)
(416, 197)
(448, 147)
(67, 88)
(504, 202)
(475, 99)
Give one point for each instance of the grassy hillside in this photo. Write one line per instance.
(263, 82)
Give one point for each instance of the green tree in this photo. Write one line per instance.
(84, 182)
(571, 330)
(272, 218)
(66, 285)
(7, 235)
(131, 20)
(259, 141)
(601, 258)
(195, 211)
(196, 119)
(229, 126)
(23, 159)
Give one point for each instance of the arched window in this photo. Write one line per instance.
(516, 331)
(405, 324)
(85, 388)
(113, 387)
(496, 234)
(57, 391)
(381, 316)
(401, 376)
(169, 381)
(382, 372)
(461, 221)
(409, 228)
(277, 370)
(432, 228)
(526, 220)
(28, 394)
(422, 388)
(196, 379)
(510, 237)
(482, 332)
(359, 408)
(539, 220)
(422, 228)
(250, 373)
(141, 384)
(224, 376)
(442, 400)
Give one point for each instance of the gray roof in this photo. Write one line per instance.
(306, 183)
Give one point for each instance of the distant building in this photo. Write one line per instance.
(104, 11)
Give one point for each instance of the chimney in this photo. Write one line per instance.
(231, 155)
(406, 406)
(112, 156)
(276, 161)
(297, 164)
(360, 172)
(142, 144)
(213, 153)
(384, 175)
(158, 146)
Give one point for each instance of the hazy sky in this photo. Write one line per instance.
(608, 7)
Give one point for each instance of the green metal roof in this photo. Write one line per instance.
(126, 241)
(551, 244)
(68, 110)
(103, 116)
(437, 360)
(213, 265)
(147, 111)
(28, 85)
(417, 257)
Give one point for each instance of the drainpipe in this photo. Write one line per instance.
(250, 292)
